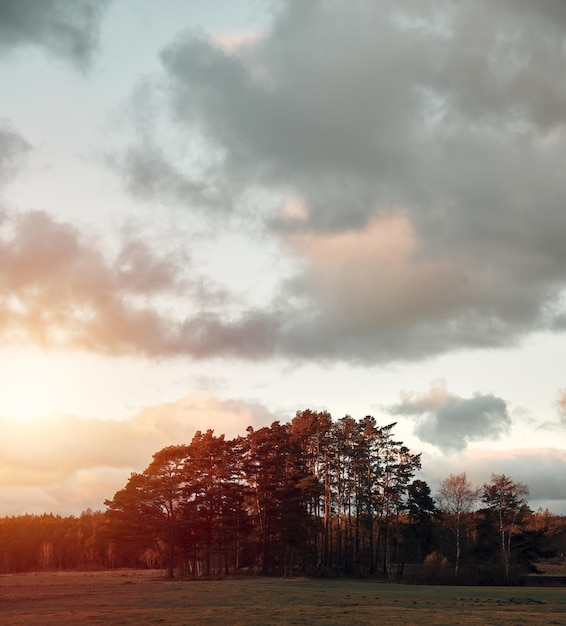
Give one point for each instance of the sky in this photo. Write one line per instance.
(214, 214)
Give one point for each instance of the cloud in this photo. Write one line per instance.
(64, 464)
(412, 175)
(59, 290)
(354, 122)
(233, 42)
(375, 295)
(295, 106)
(556, 425)
(12, 148)
(426, 155)
(541, 469)
(66, 28)
(450, 422)
(67, 461)
(252, 336)
(561, 405)
(148, 174)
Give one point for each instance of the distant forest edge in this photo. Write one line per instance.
(313, 497)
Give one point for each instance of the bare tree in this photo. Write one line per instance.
(507, 500)
(456, 497)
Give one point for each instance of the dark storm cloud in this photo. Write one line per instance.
(66, 28)
(451, 422)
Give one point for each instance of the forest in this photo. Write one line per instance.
(313, 497)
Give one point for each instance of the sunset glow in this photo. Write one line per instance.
(30, 390)
(216, 214)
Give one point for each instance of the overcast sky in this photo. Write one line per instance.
(216, 213)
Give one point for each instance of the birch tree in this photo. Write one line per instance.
(457, 497)
(506, 499)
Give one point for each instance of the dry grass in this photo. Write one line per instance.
(552, 567)
(140, 598)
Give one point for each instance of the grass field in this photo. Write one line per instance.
(140, 598)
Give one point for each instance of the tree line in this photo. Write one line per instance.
(314, 496)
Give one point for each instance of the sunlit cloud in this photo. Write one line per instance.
(277, 201)
(233, 42)
(60, 291)
(377, 279)
(68, 461)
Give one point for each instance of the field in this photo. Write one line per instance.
(140, 598)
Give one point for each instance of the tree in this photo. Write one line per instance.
(397, 469)
(312, 433)
(421, 515)
(344, 434)
(213, 506)
(506, 501)
(382, 470)
(310, 493)
(150, 503)
(276, 475)
(457, 497)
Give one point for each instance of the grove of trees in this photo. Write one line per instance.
(313, 496)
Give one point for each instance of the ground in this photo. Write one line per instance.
(142, 598)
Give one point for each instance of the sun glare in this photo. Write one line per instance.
(25, 403)
(28, 399)
(31, 387)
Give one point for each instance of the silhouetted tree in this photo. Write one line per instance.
(149, 506)
(275, 473)
(213, 512)
(418, 530)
